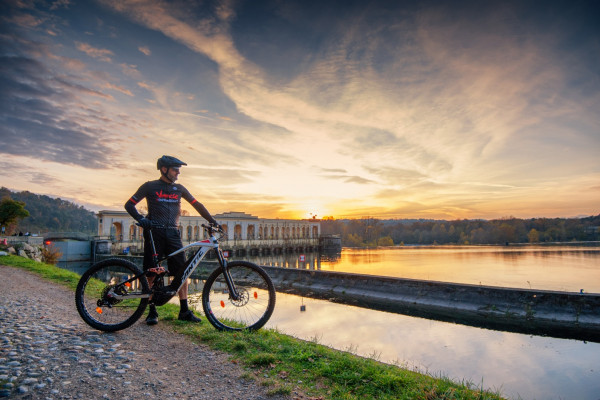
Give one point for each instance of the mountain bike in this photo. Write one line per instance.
(238, 295)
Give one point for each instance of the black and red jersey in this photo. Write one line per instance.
(164, 203)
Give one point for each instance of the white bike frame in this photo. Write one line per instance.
(204, 247)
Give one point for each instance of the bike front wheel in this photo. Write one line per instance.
(251, 309)
(112, 295)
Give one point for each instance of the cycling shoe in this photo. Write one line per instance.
(188, 316)
(152, 318)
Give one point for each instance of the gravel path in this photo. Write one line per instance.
(48, 352)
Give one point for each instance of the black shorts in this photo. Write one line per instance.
(166, 241)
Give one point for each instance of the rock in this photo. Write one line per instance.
(28, 248)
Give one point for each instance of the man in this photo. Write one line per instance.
(163, 197)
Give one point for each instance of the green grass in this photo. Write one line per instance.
(288, 366)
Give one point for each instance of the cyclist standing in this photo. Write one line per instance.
(163, 197)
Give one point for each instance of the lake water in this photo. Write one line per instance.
(519, 366)
(562, 268)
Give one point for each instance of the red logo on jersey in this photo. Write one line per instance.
(162, 195)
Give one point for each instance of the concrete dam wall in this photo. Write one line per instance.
(550, 313)
(538, 312)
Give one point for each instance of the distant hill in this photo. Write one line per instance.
(47, 214)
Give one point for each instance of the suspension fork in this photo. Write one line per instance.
(233, 293)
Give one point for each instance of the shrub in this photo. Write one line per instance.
(50, 254)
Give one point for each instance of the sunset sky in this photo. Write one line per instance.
(289, 109)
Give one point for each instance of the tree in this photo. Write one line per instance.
(11, 211)
(533, 235)
(353, 240)
(385, 241)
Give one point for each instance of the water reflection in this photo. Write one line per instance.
(516, 364)
(309, 260)
(562, 268)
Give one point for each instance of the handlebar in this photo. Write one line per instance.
(210, 229)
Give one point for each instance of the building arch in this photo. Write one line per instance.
(116, 231)
(225, 230)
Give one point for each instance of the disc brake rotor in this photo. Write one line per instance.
(243, 298)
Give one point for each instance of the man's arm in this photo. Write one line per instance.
(203, 211)
(130, 208)
(198, 206)
(133, 201)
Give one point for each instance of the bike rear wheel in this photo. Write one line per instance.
(255, 303)
(95, 295)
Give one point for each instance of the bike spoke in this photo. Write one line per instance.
(253, 307)
(95, 296)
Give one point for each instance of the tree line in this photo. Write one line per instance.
(369, 232)
(43, 214)
(35, 213)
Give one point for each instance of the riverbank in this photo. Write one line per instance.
(275, 364)
(546, 313)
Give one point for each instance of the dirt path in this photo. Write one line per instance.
(48, 352)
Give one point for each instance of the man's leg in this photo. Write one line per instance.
(177, 265)
(185, 314)
(152, 318)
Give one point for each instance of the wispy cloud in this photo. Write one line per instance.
(39, 120)
(101, 54)
(145, 50)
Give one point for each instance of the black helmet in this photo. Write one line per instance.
(168, 161)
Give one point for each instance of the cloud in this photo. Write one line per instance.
(397, 176)
(224, 176)
(27, 20)
(38, 108)
(145, 50)
(60, 3)
(348, 178)
(26, 173)
(131, 71)
(118, 89)
(332, 170)
(100, 54)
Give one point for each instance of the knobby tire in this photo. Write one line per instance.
(93, 304)
(255, 305)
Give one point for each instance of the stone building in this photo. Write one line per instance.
(244, 232)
